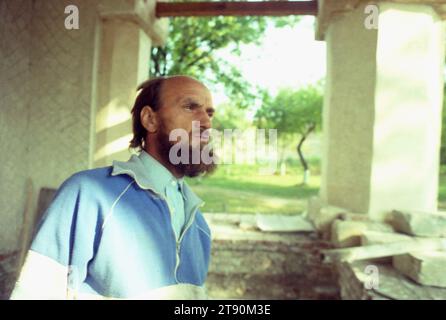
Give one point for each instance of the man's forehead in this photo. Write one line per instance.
(183, 82)
(194, 99)
(186, 89)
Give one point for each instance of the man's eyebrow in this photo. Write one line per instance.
(191, 100)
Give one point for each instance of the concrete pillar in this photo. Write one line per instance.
(123, 63)
(382, 111)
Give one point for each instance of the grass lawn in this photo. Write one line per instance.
(242, 189)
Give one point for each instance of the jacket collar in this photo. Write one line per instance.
(138, 168)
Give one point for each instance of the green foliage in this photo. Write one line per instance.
(228, 116)
(193, 42)
(291, 112)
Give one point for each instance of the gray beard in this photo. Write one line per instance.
(187, 169)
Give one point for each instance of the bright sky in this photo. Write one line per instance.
(287, 57)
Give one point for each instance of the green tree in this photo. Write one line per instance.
(228, 116)
(193, 42)
(293, 112)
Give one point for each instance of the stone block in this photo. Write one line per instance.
(369, 238)
(376, 237)
(348, 233)
(423, 224)
(425, 268)
(322, 216)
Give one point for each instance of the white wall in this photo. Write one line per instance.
(45, 83)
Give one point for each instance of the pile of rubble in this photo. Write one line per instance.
(410, 246)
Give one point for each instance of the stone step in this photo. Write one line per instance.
(251, 264)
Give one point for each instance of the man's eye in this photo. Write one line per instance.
(189, 107)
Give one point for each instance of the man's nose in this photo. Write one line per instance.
(205, 120)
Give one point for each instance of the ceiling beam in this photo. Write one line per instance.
(223, 8)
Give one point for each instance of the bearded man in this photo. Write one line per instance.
(134, 229)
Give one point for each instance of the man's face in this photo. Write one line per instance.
(185, 103)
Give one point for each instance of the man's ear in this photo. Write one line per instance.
(149, 119)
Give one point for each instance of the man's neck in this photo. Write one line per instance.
(169, 166)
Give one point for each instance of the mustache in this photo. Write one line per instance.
(180, 135)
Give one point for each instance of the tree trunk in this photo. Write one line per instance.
(283, 169)
(301, 155)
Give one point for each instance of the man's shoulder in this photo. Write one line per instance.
(93, 174)
(94, 179)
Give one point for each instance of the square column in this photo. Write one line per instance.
(382, 109)
(123, 64)
(127, 30)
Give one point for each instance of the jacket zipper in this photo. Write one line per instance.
(188, 225)
(181, 236)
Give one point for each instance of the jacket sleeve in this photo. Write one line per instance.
(56, 264)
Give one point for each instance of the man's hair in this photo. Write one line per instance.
(150, 95)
